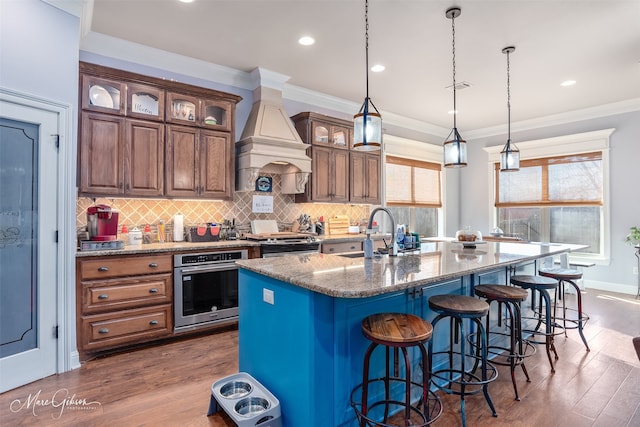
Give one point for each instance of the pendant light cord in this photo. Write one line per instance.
(453, 50)
(366, 43)
(508, 99)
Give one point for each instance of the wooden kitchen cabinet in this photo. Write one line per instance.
(128, 156)
(364, 181)
(198, 163)
(329, 140)
(123, 300)
(131, 126)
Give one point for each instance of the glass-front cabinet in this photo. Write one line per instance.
(145, 102)
(103, 95)
(215, 115)
(330, 135)
(182, 109)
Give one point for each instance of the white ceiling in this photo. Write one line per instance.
(596, 43)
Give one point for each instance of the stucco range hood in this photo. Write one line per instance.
(269, 142)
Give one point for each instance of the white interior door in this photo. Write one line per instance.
(28, 249)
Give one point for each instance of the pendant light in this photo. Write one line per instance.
(455, 149)
(367, 125)
(510, 155)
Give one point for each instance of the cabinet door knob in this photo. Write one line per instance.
(103, 268)
(153, 290)
(153, 322)
(153, 264)
(103, 331)
(103, 296)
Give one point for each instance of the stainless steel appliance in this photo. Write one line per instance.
(205, 288)
(279, 243)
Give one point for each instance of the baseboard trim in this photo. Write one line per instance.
(611, 287)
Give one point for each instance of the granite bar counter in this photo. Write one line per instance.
(299, 321)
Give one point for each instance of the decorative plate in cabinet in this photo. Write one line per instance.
(102, 95)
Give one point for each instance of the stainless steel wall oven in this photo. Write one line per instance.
(205, 288)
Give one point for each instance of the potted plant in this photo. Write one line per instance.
(633, 238)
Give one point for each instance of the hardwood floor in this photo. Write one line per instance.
(170, 385)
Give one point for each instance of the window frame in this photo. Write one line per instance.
(566, 145)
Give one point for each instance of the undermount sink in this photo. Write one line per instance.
(352, 254)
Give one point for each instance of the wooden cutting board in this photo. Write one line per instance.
(339, 224)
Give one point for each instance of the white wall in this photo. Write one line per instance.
(625, 190)
(39, 58)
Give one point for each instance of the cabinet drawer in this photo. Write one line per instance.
(335, 248)
(126, 327)
(118, 294)
(107, 267)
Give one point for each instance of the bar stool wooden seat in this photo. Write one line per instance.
(542, 285)
(397, 331)
(567, 275)
(456, 376)
(518, 348)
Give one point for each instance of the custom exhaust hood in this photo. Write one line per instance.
(269, 142)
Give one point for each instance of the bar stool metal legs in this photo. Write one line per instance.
(542, 285)
(397, 332)
(563, 275)
(518, 348)
(461, 379)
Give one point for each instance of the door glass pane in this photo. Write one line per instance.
(18, 236)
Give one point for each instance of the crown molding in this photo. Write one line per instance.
(590, 113)
(73, 7)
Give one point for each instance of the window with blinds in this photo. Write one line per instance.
(554, 199)
(575, 180)
(412, 183)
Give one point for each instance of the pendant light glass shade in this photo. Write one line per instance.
(367, 125)
(455, 148)
(510, 155)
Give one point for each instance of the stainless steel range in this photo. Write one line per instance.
(205, 288)
(279, 243)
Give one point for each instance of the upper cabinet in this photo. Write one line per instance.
(338, 174)
(134, 132)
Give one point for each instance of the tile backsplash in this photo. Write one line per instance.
(138, 212)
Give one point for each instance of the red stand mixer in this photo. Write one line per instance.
(102, 223)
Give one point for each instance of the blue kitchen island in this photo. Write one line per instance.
(299, 321)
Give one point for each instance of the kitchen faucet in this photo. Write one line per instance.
(394, 243)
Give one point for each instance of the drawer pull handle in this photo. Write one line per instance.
(103, 331)
(103, 296)
(153, 290)
(153, 322)
(353, 247)
(332, 249)
(103, 268)
(153, 265)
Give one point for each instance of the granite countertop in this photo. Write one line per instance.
(151, 248)
(345, 277)
(189, 246)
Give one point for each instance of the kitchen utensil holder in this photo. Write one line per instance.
(247, 402)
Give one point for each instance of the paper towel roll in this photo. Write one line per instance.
(178, 228)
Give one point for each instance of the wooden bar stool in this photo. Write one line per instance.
(457, 377)
(396, 331)
(518, 348)
(566, 275)
(542, 285)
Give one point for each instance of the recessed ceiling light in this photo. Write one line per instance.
(186, 1)
(378, 68)
(452, 112)
(306, 40)
(568, 83)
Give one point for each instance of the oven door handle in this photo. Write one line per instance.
(209, 268)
